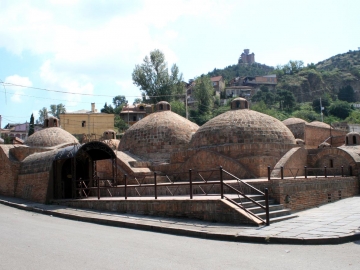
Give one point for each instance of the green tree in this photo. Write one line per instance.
(137, 101)
(264, 95)
(203, 92)
(178, 107)
(43, 114)
(286, 99)
(31, 125)
(325, 102)
(340, 109)
(120, 124)
(119, 101)
(347, 94)
(107, 109)
(56, 110)
(153, 78)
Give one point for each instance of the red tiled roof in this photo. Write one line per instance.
(216, 79)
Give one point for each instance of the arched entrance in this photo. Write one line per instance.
(75, 168)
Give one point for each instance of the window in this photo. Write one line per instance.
(141, 108)
(331, 163)
(134, 118)
(83, 123)
(354, 139)
(161, 107)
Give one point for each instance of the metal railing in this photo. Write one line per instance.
(310, 172)
(204, 179)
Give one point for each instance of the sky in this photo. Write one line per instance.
(77, 52)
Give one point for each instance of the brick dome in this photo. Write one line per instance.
(293, 121)
(242, 127)
(50, 137)
(158, 135)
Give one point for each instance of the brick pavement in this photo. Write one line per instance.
(333, 223)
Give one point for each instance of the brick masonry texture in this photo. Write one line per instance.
(312, 192)
(50, 137)
(242, 127)
(158, 135)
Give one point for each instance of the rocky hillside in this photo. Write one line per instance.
(327, 76)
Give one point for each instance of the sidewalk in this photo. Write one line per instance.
(333, 223)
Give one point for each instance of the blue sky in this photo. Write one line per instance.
(89, 48)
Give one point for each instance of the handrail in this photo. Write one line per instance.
(262, 193)
(243, 208)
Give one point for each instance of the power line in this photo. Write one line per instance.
(73, 93)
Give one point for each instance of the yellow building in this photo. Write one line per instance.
(91, 123)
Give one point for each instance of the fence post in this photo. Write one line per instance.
(267, 207)
(282, 172)
(342, 171)
(325, 171)
(155, 186)
(269, 173)
(98, 187)
(190, 180)
(305, 169)
(125, 175)
(221, 183)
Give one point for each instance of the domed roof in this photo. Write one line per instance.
(352, 133)
(242, 127)
(319, 124)
(50, 137)
(293, 120)
(162, 132)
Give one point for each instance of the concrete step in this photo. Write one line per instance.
(274, 214)
(250, 204)
(282, 218)
(258, 210)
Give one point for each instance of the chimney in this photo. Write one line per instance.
(93, 107)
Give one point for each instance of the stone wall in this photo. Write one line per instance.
(33, 187)
(298, 130)
(311, 192)
(9, 169)
(316, 135)
(208, 210)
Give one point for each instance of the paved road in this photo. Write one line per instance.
(33, 241)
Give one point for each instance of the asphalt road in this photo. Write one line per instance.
(34, 241)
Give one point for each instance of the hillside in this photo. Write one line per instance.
(309, 82)
(327, 76)
(242, 70)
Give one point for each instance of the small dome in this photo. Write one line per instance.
(319, 124)
(1, 141)
(300, 141)
(163, 106)
(158, 135)
(242, 127)
(293, 121)
(324, 145)
(50, 137)
(352, 138)
(239, 103)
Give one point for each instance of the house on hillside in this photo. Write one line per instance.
(134, 113)
(218, 84)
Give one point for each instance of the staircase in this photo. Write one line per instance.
(277, 212)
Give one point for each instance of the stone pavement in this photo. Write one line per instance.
(333, 223)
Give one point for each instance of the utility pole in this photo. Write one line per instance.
(321, 111)
(0, 126)
(186, 105)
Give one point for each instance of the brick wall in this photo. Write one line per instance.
(33, 187)
(316, 135)
(9, 169)
(298, 130)
(208, 210)
(312, 192)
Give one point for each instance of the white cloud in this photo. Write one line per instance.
(17, 91)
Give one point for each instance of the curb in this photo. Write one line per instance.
(191, 233)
